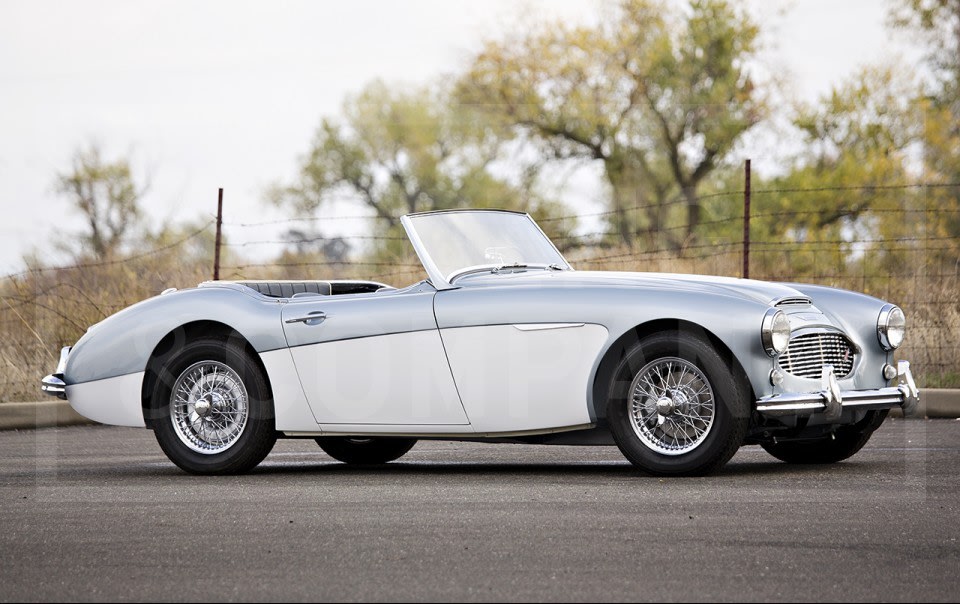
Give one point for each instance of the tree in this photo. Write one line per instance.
(936, 23)
(856, 145)
(187, 243)
(105, 194)
(658, 96)
(396, 152)
(306, 241)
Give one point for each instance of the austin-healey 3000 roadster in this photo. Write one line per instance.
(503, 342)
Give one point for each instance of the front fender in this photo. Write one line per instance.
(733, 320)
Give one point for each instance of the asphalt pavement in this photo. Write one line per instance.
(97, 513)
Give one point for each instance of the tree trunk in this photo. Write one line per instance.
(693, 210)
(624, 190)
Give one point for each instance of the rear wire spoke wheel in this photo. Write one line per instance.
(678, 406)
(211, 407)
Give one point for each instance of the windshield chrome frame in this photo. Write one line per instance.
(438, 279)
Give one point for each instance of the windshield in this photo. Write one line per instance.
(450, 242)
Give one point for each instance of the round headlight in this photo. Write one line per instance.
(775, 331)
(891, 326)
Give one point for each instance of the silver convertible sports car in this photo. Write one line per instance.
(504, 342)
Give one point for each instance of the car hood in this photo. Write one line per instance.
(759, 291)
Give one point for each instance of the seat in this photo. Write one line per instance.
(286, 289)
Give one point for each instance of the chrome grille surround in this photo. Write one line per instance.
(807, 353)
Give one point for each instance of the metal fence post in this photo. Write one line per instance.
(746, 222)
(216, 247)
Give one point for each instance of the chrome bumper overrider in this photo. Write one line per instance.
(831, 401)
(53, 384)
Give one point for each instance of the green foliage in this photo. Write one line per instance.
(937, 24)
(398, 152)
(658, 95)
(845, 196)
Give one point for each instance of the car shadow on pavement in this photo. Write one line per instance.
(585, 469)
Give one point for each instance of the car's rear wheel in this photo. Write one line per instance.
(365, 451)
(678, 407)
(213, 409)
(844, 443)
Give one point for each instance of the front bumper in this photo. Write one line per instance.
(831, 401)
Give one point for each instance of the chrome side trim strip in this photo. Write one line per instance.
(373, 431)
(543, 326)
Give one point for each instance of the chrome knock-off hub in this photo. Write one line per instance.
(202, 407)
(665, 406)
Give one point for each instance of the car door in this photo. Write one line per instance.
(373, 359)
(521, 358)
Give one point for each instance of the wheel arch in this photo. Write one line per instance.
(175, 340)
(615, 353)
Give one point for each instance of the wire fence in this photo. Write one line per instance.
(898, 242)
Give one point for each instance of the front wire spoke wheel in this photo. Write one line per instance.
(210, 407)
(672, 406)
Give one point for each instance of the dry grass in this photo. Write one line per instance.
(42, 311)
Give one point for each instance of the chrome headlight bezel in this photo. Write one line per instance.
(891, 326)
(775, 332)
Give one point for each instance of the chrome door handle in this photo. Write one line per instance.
(315, 318)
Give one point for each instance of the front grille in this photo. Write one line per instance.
(806, 355)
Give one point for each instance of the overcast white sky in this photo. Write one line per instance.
(204, 94)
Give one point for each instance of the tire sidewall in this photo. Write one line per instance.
(732, 408)
(843, 444)
(260, 417)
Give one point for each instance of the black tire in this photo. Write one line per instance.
(365, 451)
(731, 406)
(846, 441)
(256, 438)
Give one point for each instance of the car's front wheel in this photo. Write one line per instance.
(677, 406)
(843, 443)
(365, 451)
(213, 412)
